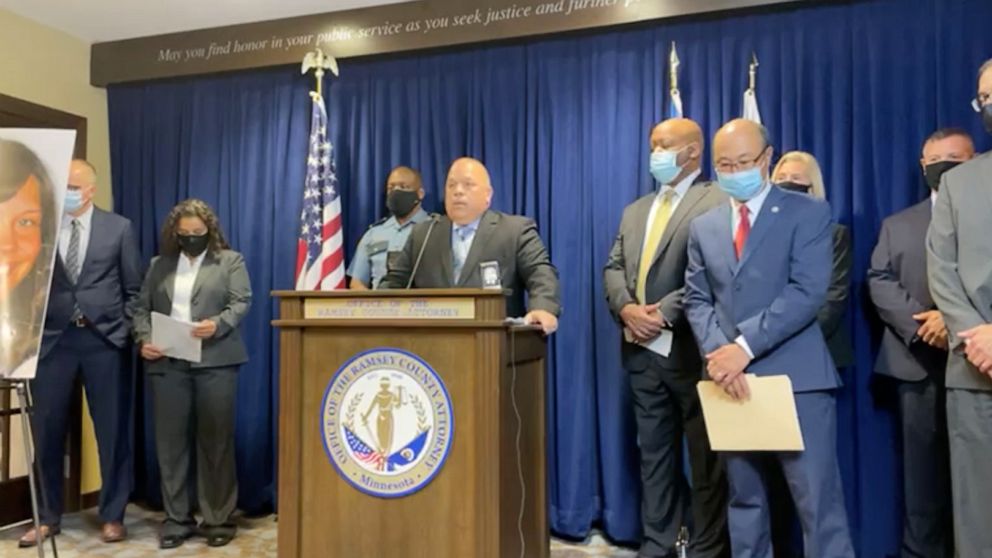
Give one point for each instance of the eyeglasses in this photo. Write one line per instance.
(980, 101)
(727, 167)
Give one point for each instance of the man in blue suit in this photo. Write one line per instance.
(758, 272)
(97, 274)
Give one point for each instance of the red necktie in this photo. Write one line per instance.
(743, 229)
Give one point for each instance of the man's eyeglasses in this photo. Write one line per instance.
(728, 167)
(980, 101)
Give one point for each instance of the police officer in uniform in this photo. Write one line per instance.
(404, 194)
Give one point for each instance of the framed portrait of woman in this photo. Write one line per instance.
(34, 168)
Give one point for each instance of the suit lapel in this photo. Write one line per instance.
(724, 236)
(92, 245)
(692, 197)
(639, 226)
(440, 246)
(207, 268)
(767, 217)
(487, 227)
(169, 279)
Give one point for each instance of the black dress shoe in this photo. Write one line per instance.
(219, 535)
(219, 539)
(166, 542)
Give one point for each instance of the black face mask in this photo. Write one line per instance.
(934, 171)
(795, 187)
(193, 246)
(401, 202)
(987, 117)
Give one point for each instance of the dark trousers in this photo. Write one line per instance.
(969, 424)
(666, 406)
(927, 523)
(194, 408)
(814, 482)
(82, 353)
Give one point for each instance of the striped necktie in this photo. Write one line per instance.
(73, 265)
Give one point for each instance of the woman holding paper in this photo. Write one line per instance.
(199, 281)
(28, 218)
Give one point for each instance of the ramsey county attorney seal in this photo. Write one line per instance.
(386, 422)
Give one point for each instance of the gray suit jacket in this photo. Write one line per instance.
(666, 278)
(222, 292)
(897, 282)
(510, 240)
(959, 261)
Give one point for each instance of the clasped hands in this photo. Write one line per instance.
(725, 366)
(643, 321)
(932, 330)
(978, 347)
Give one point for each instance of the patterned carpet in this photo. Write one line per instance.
(256, 538)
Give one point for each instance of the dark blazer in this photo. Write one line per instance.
(221, 292)
(108, 283)
(897, 282)
(508, 239)
(666, 278)
(772, 294)
(831, 315)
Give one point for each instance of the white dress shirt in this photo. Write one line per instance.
(85, 227)
(679, 192)
(933, 198)
(182, 294)
(753, 208)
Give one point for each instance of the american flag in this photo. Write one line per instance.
(320, 249)
(363, 452)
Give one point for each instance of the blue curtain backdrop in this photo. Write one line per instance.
(562, 124)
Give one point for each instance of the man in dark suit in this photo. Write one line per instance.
(97, 275)
(452, 250)
(643, 279)
(914, 352)
(757, 274)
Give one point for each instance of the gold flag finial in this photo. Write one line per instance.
(752, 72)
(673, 69)
(316, 59)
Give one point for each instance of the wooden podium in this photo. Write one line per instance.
(486, 500)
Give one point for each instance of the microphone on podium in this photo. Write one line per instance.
(416, 265)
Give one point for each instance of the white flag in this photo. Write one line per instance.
(751, 111)
(675, 104)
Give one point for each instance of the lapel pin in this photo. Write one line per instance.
(774, 209)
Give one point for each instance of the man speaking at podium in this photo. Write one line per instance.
(452, 251)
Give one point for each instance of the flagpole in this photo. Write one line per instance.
(675, 97)
(673, 69)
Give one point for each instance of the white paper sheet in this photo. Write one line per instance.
(175, 338)
(661, 344)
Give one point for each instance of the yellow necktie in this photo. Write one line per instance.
(661, 218)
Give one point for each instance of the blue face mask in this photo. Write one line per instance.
(73, 201)
(664, 166)
(742, 185)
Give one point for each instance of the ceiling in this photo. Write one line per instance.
(110, 20)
